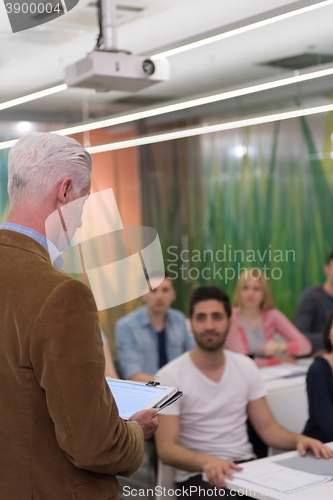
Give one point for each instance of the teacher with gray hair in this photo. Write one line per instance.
(61, 437)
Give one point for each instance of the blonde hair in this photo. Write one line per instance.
(256, 274)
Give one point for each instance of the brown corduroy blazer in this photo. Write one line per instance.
(60, 434)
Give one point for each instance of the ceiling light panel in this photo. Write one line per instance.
(247, 27)
(208, 129)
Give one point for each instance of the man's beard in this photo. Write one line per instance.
(206, 346)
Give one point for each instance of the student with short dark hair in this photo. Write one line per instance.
(319, 384)
(210, 293)
(314, 308)
(149, 337)
(204, 433)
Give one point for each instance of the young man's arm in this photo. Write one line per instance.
(275, 435)
(171, 453)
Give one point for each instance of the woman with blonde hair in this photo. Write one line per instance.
(256, 322)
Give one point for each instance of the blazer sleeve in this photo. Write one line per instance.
(298, 344)
(68, 363)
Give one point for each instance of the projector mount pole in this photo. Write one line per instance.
(109, 30)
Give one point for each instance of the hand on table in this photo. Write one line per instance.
(217, 469)
(289, 359)
(272, 347)
(148, 421)
(318, 448)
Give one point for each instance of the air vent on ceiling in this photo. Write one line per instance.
(84, 16)
(301, 61)
(138, 100)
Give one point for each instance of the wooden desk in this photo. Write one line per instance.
(320, 492)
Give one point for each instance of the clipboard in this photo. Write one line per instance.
(131, 396)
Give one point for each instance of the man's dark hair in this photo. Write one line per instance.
(326, 338)
(329, 258)
(210, 293)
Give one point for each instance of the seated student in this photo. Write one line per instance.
(255, 323)
(149, 337)
(205, 430)
(315, 307)
(319, 384)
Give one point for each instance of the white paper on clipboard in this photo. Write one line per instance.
(132, 396)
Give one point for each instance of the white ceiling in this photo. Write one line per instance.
(35, 59)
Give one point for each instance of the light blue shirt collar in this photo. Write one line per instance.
(40, 238)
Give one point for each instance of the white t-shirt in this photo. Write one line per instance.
(212, 414)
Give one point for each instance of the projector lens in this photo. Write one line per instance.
(148, 67)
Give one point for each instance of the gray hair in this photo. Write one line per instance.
(40, 161)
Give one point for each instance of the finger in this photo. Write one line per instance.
(215, 478)
(235, 466)
(229, 475)
(212, 478)
(325, 452)
(301, 449)
(315, 450)
(221, 480)
(227, 472)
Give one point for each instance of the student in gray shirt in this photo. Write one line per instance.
(315, 307)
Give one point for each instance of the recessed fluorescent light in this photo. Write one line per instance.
(149, 113)
(170, 108)
(208, 129)
(178, 50)
(24, 126)
(32, 97)
(238, 31)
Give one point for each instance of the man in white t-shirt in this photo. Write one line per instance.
(205, 431)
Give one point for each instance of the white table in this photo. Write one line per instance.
(288, 401)
(320, 492)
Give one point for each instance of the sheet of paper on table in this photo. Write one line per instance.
(280, 478)
(284, 370)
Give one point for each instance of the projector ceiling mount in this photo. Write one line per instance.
(108, 68)
(107, 38)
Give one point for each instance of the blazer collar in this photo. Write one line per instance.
(18, 240)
